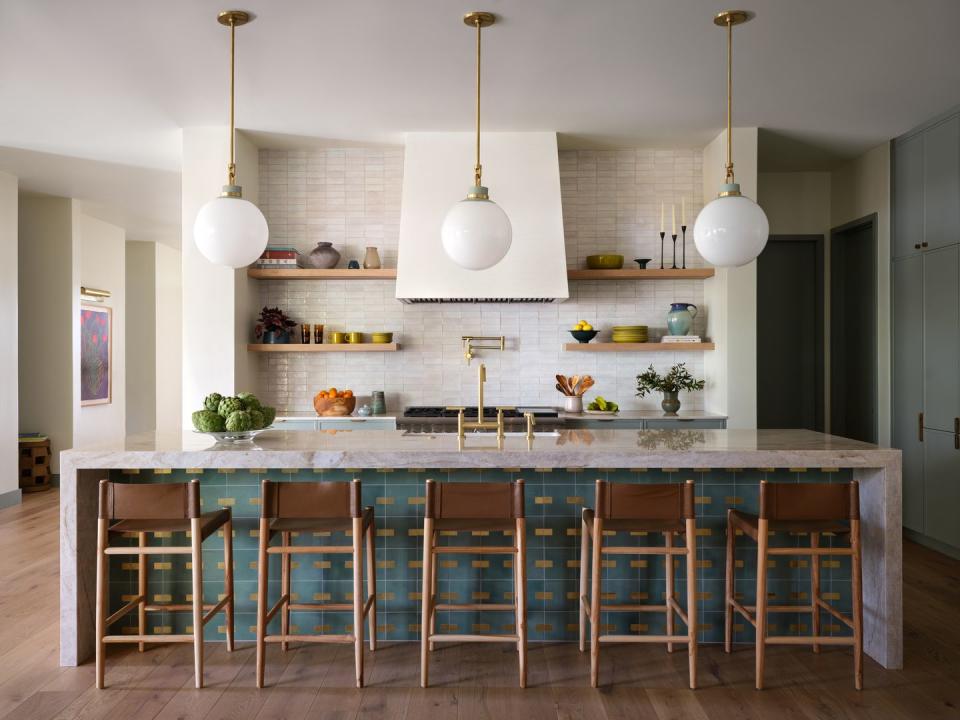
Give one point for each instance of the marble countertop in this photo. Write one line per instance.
(644, 415)
(563, 448)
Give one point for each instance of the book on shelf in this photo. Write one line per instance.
(276, 264)
(681, 339)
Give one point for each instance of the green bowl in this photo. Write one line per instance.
(604, 262)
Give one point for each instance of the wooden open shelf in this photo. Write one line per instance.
(391, 274)
(311, 274)
(637, 274)
(638, 347)
(324, 347)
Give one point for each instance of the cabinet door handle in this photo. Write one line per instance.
(916, 246)
(920, 426)
(923, 244)
(956, 433)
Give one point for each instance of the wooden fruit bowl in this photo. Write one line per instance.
(334, 407)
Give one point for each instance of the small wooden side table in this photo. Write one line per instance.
(34, 464)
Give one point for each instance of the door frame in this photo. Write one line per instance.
(870, 219)
(820, 340)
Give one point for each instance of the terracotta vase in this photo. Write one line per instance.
(323, 257)
(371, 261)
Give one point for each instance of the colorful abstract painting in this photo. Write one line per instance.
(96, 347)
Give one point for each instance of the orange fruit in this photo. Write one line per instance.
(332, 392)
(348, 393)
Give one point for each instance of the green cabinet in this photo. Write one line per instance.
(908, 190)
(908, 382)
(941, 338)
(941, 184)
(941, 462)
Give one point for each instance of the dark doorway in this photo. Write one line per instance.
(853, 330)
(790, 333)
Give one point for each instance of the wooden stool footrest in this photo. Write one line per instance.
(315, 549)
(638, 550)
(475, 606)
(117, 639)
(475, 549)
(809, 640)
(473, 638)
(334, 639)
(644, 638)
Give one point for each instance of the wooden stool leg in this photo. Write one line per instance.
(729, 588)
(761, 616)
(815, 587)
(263, 560)
(103, 596)
(372, 584)
(358, 599)
(285, 564)
(856, 570)
(691, 532)
(433, 595)
(228, 581)
(142, 591)
(584, 582)
(196, 560)
(595, 566)
(426, 601)
(668, 595)
(521, 595)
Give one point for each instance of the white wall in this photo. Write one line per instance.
(9, 418)
(217, 299)
(169, 357)
(731, 296)
(796, 203)
(141, 336)
(102, 251)
(859, 188)
(48, 314)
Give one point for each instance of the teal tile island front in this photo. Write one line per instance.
(559, 470)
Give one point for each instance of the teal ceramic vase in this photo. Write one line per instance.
(680, 318)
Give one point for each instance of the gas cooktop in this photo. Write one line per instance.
(420, 412)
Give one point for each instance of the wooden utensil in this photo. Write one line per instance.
(585, 385)
(574, 381)
(562, 380)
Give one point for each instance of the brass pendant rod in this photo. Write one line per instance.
(730, 179)
(477, 169)
(232, 167)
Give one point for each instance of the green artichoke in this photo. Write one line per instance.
(256, 419)
(212, 401)
(229, 405)
(269, 415)
(248, 400)
(239, 421)
(206, 421)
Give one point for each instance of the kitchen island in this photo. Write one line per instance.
(559, 469)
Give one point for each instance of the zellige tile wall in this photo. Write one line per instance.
(351, 197)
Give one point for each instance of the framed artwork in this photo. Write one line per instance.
(96, 354)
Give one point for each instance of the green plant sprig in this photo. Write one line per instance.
(677, 378)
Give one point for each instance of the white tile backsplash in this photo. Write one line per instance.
(351, 197)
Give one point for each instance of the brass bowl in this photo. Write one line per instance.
(604, 262)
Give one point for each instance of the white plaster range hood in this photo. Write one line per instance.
(522, 171)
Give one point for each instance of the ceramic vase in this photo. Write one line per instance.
(371, 260)
(680, 318)
(671, 402)
(276, 337)
(323, 257)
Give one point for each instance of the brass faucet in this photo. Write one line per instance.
(480, 424)
(469, 346)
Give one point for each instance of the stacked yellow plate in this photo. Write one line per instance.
(629, 333)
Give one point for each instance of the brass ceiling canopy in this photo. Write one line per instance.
(732, 17)
(235, 18)
(479, 19)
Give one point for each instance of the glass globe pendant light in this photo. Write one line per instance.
(476, 232)
(731, 230)
(229, 230)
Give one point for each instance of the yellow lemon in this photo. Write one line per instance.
(588, 326)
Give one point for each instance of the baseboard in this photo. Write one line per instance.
(11, 498)
(920, 539)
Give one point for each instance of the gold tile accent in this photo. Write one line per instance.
(322, 533)
(416, 500)
(444, 627)
(573, 531)
(830, 469)
(738, 563)
(798, 628)
(480, 563)
(544, 627)
(543, 500)
(573, 595)
(573, 563)
(321, 629)
(447, 564)
(479, 595)
(798, 595)
(415, 532)
(543, 470)
(414, 596)
(638, 563)
(163, 566)
(386, 564)
(321, 564)
(413, 628)
(127, 598)
(226, 471)
(130, 566)
(258, 471)
(574, 500)
(290, 471)
(162, 471)
(639, 596)
(831, 596)
(414, 564)
(448, 595)
(733, 500)
(385, 470)
(481, 627)
(132, 471)
(386, 596)
(798, 469)
(608, 563)
(799, 563)
(544, 563)
(480, 533)
(385, 532)
(703, 500)
(704, 532)
(385, 501)
(704, 563)
(227, 502)
(703, 595)
(639, 470)
(830, 563)
(321, 597)
(638, 533)
(543, 532)
(194, 471)
(638, 628)
(608, 596)
(447, 533)
(166, 630)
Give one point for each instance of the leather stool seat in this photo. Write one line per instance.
(210, 522)
(318, 524)
(749, 525)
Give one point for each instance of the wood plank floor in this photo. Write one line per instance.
(470, 681)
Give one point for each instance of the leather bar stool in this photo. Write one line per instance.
(288, 507)
(631, 507)
(163, 507)
(474, 506)
(812, 508)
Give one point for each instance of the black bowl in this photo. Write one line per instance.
(583, 336)
(642, 262)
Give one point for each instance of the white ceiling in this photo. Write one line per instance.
(114, 81)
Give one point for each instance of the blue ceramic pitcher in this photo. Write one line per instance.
(680, 318)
